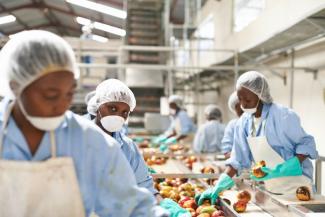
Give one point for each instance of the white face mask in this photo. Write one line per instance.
(250, 110)
(42, 123)
(172, 111)
(112, 123)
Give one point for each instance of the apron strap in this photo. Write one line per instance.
(4, 124)
(53, 144)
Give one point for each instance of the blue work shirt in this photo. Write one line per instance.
(228, 138)
(186, 124)
(283, 132)
(138, 165)
(208, 137)
(106, 181)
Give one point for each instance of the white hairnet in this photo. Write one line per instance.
(29, 55)
(111, 90)
(89, 96)
(256, 83)
(178, 100)
(232, 102)
(213, 112)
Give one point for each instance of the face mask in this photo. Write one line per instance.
(112, 123)
(172, 111)
(250, 110)
(42, 123)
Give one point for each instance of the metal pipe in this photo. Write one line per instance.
(292, 78)
(318, 174)
(166, 67)
(166, 49)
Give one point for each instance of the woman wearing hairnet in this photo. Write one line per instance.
(228, 138)
(209, 135)
(111, 105)
(55, 163)
(181, 127)
(270, 132)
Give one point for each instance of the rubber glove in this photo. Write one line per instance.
(151, 170)
(224, 183)
(174, 209)
(163, 147)
(169, 141)
(290, 167)
(159, 139)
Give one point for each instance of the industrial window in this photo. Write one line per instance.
(246, 11)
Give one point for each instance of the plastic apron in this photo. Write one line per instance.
(38, 189)
(178, 128)
(262, 150)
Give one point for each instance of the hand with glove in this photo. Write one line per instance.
(174, 209)
(159, 139)
(170, 141)
(290, 167)
(224, 183)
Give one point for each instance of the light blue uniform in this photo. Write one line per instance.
(283, 132)
(228, 138)
(136, 161)
(186, 124)
(105, 178)
(208, 137)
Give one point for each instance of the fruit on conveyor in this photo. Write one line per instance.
(240, 206)
(208, 209)
(257, 169)
(244, 196)
(218, 213)
(303, 193)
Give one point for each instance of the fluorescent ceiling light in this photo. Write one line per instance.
(99, 38)
(101, 26)
(100, 8)
(7, 19)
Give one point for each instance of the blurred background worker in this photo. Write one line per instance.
(55, 162)
(181, 128)
(111, 105)
(209, 135)
(228, 138)
(269, 132)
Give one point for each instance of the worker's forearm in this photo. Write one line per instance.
(230, 171)
(181, 137)
(301, 157)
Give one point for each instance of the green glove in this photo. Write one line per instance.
(151, 170)
(163, 147)
(224, 183)
(290, 167)
(174, 209)
(138, 139)
(169, 141)
(159, 139)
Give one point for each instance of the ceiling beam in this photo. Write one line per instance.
(117, 4)
(3, 8)
(46, 25)
(51, 7)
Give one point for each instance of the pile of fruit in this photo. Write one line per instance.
(183, 193)
(189, 161)
(176, 147)
(155, 160)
